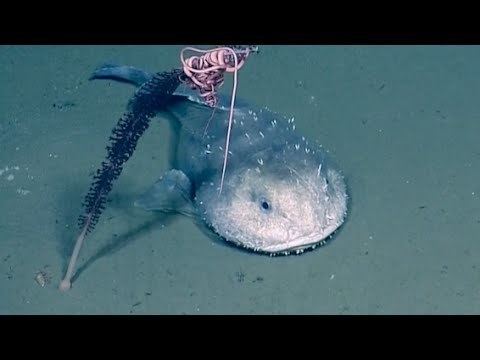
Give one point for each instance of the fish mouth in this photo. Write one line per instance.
(301, 244)
(294, 246)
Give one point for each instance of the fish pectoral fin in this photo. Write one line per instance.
(171, 193)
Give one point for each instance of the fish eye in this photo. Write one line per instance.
(265, 205)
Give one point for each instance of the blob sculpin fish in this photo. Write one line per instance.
(280, 192)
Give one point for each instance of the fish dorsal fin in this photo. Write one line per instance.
(171, 193)
(190, 109)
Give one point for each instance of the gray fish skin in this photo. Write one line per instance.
(128, 74)
(281, 193)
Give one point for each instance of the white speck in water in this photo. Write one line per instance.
(307, 150)
(370, 237)
(297, 146)
(17, 148)
(261, 134)
(319, 169)
(257, 170)
(293, 127)
(332, 276)
(260, 161)
(10, 177)
(247, 136)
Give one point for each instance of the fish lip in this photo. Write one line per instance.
(302, 243)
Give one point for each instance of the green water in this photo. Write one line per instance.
(403, 123)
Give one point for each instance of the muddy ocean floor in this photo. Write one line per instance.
(403, 123)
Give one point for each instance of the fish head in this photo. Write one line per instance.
(276, 204)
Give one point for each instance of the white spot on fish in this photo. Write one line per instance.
(293, 127)
(23, 192)
(10, 177)
(319, 169)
